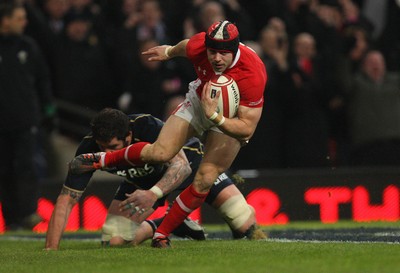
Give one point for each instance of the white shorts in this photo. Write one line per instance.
(191, 111)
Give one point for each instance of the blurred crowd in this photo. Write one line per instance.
(333, 94)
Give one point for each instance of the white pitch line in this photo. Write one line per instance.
(328, 241)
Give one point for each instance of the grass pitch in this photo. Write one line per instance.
(22, 252)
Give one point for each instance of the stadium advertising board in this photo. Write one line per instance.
(278, 196)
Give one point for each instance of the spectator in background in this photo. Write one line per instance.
(204, 12)
(374, 113)
(296, 15)
(385, 19)
(25, 102)
(122, 42)
(276, 47)
(325, 23)
(352, 15)
(82, 69)
(354, 45)
(82, 72)
(52, 28)
(55, 11)
(263, 10)
(151, 25)
(151, 85)
(306, 123)
(143, 21)
(273, 39)
(91, 9)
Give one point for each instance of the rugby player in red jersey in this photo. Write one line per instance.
(213, 52)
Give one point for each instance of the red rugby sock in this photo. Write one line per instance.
(126, 156)
(184, 204)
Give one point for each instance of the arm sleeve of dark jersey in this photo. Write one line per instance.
(80, 181)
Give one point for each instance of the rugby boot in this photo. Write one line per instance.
(161, 242)
(86, 163)
(255, 233)
(190, 229)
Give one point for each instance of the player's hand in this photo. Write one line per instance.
(138, 202)
(86, 163)
(157, 53)
(209, 101)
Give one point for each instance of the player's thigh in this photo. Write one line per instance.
(220, 150)
(219, 153)
(174, 134)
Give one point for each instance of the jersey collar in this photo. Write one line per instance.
(237, 56)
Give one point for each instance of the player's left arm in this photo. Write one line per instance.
(166, 52)
(178, 170)
(59, 218)
(242, 127)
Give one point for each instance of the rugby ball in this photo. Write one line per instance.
(229, 98)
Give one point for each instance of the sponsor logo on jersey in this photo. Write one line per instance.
(136, 172)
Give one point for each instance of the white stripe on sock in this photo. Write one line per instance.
(183, 207)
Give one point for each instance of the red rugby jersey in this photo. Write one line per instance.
(247, 70)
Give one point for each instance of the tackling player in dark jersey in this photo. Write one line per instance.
(145, 186)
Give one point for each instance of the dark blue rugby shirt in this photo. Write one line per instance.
(144, 128)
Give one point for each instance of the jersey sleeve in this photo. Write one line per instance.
(251, 78)
(195, 46)
(79, 182)
(252, 91)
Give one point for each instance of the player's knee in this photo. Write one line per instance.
(206, 176)
(116, 241)
(236, 212)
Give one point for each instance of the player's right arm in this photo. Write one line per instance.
(178, 170)
(242, 127)
(59, 218)
(166, 52)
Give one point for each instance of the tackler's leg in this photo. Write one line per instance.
(238, 214)
(119, 229)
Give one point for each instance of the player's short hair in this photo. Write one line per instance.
(223, 36)
(110, 123)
